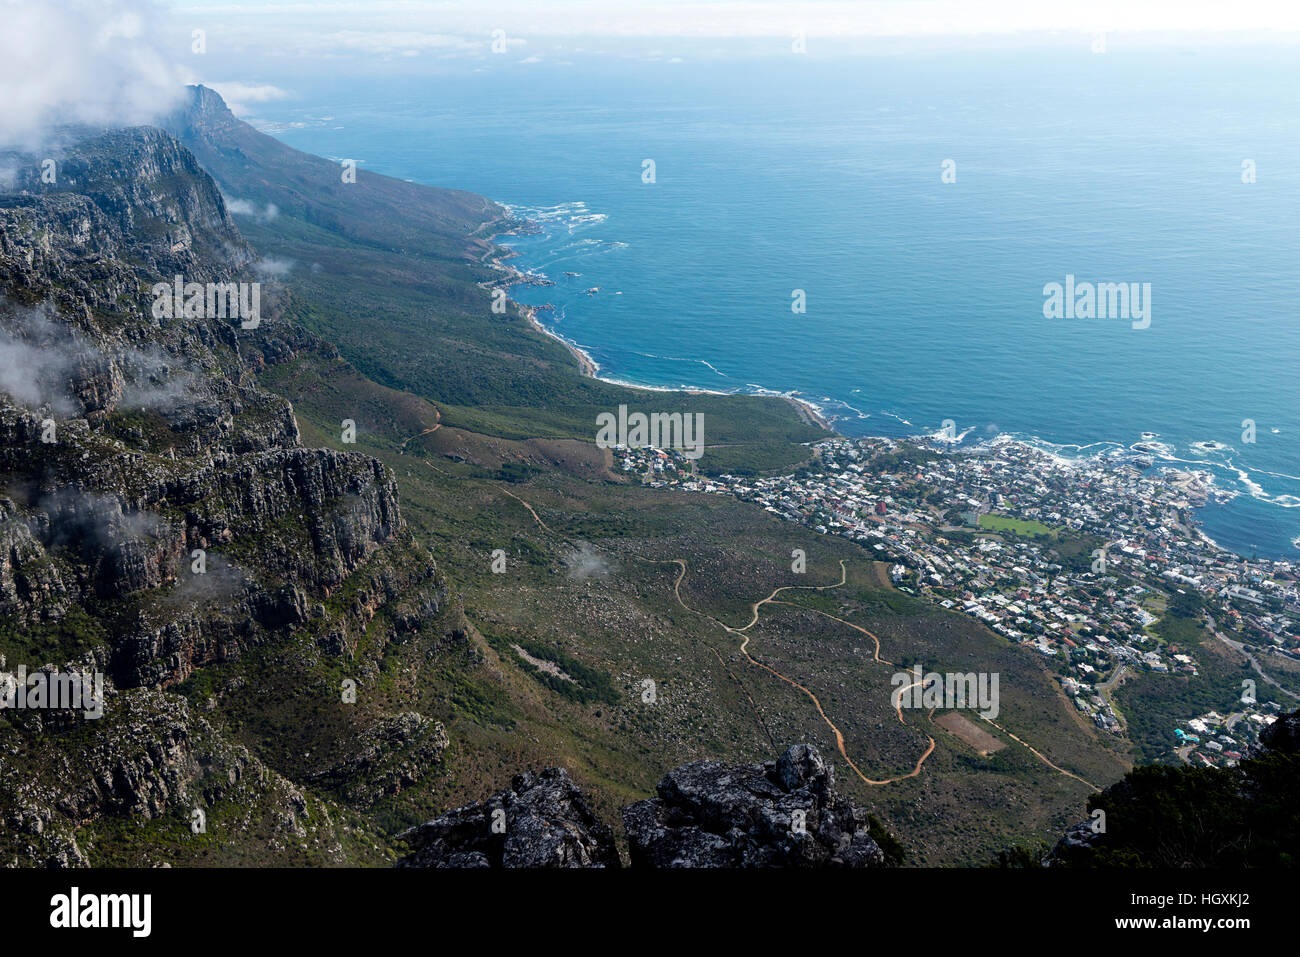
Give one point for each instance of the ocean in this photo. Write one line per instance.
(921, 202)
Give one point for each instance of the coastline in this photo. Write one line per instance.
(811, 414)
(588, 366)
(496, 257)
(808, 412)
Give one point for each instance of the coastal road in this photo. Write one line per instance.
(1239, 646)
(1106, 687)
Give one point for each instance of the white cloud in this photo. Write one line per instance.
(273, 268)
(383, 41)
(244, 207)
(472, 21)
(81, 61)
(239, 96)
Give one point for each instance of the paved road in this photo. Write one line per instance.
(1238, 646)
(1107, 686)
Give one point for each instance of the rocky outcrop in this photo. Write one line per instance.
(1283, 735)
(390, 756)
(131, 442)
(541, 820)
(1079, 839)
(151, 759)
(149, 188)
(782, 813)
(346, 505)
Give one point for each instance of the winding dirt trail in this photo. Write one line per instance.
(531, 510)
(420, 435)
(877, 658)
(839, 737)
(1040, 756)
(744, 650)
(744, 646)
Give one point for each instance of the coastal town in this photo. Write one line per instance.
(1077, 560)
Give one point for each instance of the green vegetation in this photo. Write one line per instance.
(1200, 817)
(1155, 704)
(1017, 526)
(72, 636)
(895, 853)
(396, 276)
(578, 681)
(516, 472)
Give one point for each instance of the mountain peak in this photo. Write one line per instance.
(203, 109)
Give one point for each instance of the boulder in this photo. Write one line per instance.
(782, 813)
(541, 820)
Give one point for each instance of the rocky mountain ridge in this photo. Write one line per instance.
(160, 514)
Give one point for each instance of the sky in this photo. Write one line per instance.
(123, 61)
(451, 27)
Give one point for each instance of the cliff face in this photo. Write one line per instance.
(150, 760)
(158, 512)
(141, 439)
(136, 187)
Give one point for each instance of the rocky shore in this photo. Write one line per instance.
(514, 277)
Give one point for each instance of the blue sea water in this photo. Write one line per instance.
(924, 298)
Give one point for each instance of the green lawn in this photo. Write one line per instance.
(1017, 526)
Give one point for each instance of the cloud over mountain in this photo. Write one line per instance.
(82, 61)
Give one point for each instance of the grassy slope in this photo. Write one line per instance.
(624, 623)
(402, 324)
